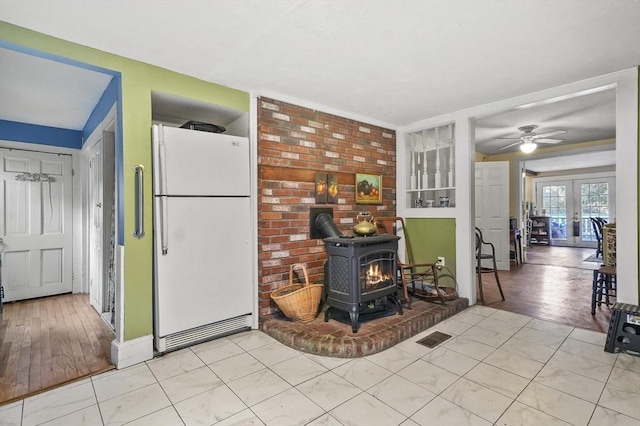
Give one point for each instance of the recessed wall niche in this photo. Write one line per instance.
(430, 171)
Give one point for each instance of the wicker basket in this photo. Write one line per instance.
(299, 302)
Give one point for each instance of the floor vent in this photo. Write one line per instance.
(434, 339)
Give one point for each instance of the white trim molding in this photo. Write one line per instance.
(130, 352)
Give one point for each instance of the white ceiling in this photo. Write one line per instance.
(386, 62)
(586, 117)
(47, 93)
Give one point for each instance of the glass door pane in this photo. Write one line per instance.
(554, 205)
(571, 203)
(594, 202)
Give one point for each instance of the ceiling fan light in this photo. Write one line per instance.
(528, 147)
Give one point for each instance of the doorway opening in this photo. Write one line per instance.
(57, 336)
(41, 122)
(566, 181)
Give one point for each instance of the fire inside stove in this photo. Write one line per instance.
(374, 275)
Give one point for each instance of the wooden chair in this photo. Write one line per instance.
(597, 230)
(480, 256)
(423, 277)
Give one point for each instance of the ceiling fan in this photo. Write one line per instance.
(529, 139)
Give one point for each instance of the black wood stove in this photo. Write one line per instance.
(360, 277)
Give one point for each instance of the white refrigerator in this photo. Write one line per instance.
(203, 259)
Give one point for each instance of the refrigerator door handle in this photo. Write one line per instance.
(164, 225)
(162, 161)
(138, 233)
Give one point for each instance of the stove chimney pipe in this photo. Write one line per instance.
(326, 225)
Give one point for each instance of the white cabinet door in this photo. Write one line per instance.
(36, 223)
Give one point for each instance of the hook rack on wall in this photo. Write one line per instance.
(35, 177)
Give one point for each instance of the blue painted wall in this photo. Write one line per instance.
(31, 133)
(106, 102)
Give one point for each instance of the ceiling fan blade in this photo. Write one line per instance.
(547, 140)
(551, 133)
(513, 139)
(509, 146)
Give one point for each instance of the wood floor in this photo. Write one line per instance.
(554, 285)
(50, 341)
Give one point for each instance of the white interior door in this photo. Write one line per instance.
(95, 226)
(100, 193)
(36, 223)
(492, 207)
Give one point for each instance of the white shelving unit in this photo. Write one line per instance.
(430, 161)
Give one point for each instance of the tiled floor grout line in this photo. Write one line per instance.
(604, 387)
(481, 362)
(171, 403)
(534, 377)
(579, 337)
(95, 394)
(227, 385)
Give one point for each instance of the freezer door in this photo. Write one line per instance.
(189, 162)
(206, 274)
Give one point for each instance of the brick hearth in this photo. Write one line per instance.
(335, 339)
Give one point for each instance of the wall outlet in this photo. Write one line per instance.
(441, 260)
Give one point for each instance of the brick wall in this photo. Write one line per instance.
(295, 143)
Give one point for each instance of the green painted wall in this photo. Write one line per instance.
(138, 80)
(431, 238)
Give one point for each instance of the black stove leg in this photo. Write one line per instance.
(354, 321)
(397, 303)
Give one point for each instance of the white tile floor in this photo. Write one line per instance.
(498, 368)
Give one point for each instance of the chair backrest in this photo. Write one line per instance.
(390, 225)
(479, 240)
(597, 228)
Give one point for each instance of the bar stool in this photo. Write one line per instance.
(604, 284)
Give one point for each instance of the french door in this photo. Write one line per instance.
(571, 203)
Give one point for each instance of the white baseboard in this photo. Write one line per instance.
(130, 352)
